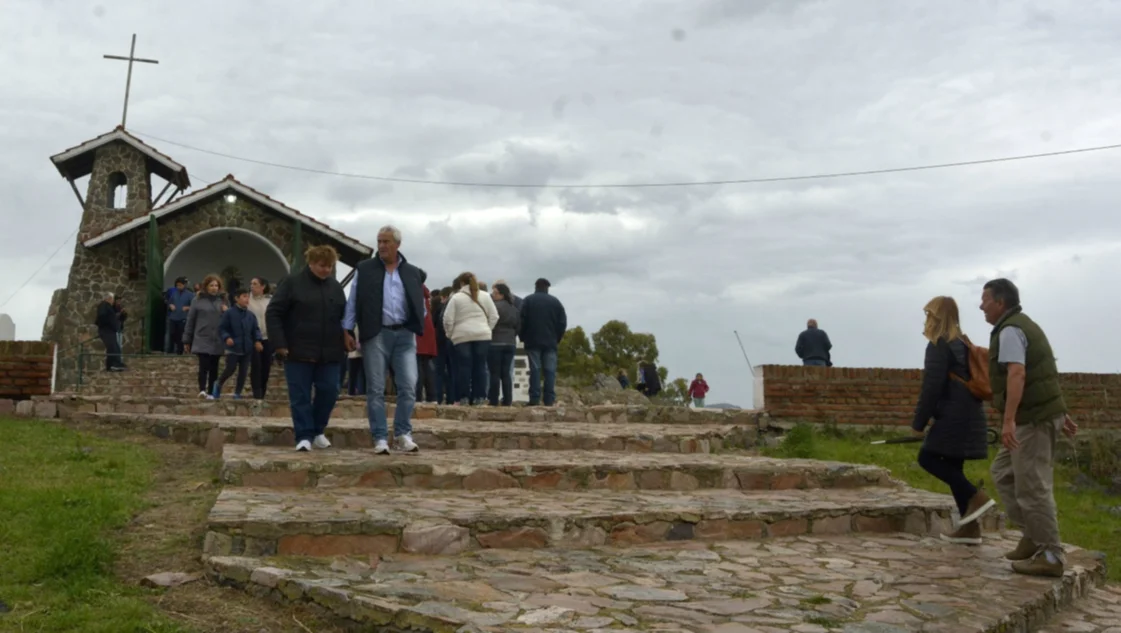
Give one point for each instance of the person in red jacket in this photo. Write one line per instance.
(697, 390)
(426, 351)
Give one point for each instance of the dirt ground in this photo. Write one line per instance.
(167, 537)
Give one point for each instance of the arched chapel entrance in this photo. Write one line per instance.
(216, 250)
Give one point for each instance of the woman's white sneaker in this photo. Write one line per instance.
(303, 446)
(381, 447)
(321, 441)
(406, 444)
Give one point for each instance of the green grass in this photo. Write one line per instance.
(62, 495)
(1084, 517)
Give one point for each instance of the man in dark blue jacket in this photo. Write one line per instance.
(108, 324)
(386, 303)
(543, 322)
(813, 346)
(178, 305)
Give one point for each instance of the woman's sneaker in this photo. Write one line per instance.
(303, 446)
(405, 444)
(966, 534)
(978, 506)
(321, 441)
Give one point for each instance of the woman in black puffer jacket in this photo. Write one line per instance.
(959, 431)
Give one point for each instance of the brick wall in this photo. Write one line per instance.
(25, 369)
(871, 396)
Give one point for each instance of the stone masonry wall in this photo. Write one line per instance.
(25, 370)
(99, 215)
(104, 268)
(887, 397)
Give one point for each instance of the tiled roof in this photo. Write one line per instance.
(229, 183)
(70, 164)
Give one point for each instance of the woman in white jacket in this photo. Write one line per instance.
(468, 320)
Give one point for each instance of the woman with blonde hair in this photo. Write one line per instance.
(469, 319)
(959, 429)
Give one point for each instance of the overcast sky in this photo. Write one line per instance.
(586, 91)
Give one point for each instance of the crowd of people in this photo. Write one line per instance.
(456, 345)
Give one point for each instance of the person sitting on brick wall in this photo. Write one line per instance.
(813, 346)
(1026, 391)
(959, 431)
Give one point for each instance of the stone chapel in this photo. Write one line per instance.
(134, 242)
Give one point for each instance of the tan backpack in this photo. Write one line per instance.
(978, 383)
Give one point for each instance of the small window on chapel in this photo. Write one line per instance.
(118, 190)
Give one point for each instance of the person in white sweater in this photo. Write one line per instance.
(468, 320)
(260, 293)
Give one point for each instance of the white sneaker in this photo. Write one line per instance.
(304, 446)
(381, 447)
(210, 398)
(203, 394)
(406, 444)
(321, 441)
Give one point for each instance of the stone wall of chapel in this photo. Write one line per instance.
(99, 214)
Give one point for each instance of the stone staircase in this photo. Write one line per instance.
(163, 375)
(609, 518)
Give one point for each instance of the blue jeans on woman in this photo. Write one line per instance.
(471, 362)
(311, 413)
(500, 361)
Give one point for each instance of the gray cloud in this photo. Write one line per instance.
(576, 91)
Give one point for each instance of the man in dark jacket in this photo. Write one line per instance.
(108, 324)
(386, 302)
(1026, 391)
(178, 305)
(813, 346)
(543, 322)
(304, 322)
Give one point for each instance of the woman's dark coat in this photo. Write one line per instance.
(959, 429)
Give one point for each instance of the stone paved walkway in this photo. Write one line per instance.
(214, 431)
(537, 469)
(1100, 612)
(851, 584)
(344, 521)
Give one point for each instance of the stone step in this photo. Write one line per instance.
(214, 432)
(74, 405)
(345, 521)
(867, 583)
(537, 470)
(1098, 612)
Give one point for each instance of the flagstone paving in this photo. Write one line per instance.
(853, 584)
(1099, 612)
(325, 522)
(215, 431)
(536, 469)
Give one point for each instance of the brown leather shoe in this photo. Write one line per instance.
(1024, 550)
(978, 506)
(1038, 565)
(966, 534)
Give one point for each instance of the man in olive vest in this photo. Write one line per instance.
(1026, 391)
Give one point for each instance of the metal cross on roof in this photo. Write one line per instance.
(128, 82)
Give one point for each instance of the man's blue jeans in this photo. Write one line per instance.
(396, 349)
(546, 360)
(310, 415)
(813, 362)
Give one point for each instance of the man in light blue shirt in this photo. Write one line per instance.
(386, 303)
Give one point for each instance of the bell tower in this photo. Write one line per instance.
(120, 168)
